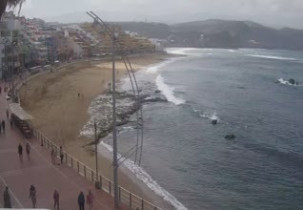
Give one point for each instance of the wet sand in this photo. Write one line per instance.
(60, 113)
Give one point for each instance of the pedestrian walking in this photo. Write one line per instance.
(0, 90)
(0, 129)
(28, 149)
(7, 199)
(32, 195)
(3, 126)
(53, 156)
(56, 200)
(61, 155)
(90, 200)
(81, 201)
(11, 121)
(20, 151)
(7, 113)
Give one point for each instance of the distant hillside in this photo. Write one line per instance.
(219, 34)
(150, 30)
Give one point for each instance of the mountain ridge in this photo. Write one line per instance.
(219, 33)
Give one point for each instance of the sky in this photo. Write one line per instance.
(275, 13)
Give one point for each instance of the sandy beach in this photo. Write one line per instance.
(60, 113)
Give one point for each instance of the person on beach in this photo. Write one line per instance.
(61, 155)
(90, 200)
(28, 149)
(56, 200)
(7, 199)
(81, 201)
(20, 151)
(32, 195)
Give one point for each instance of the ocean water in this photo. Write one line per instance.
(188, 161)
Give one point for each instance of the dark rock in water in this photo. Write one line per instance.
(230, 136)
(157, 91)
(292, 81)
(214, 122)
(154, 99)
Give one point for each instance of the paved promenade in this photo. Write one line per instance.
(39, 171)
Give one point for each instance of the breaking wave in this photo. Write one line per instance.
(168, 91)
(274, 57)
(210, 116)
(143, 176)
(286, 82)
(156, 68)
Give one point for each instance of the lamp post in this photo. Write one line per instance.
(97, 184)
(115, 149)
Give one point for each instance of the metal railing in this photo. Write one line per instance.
(126, 197)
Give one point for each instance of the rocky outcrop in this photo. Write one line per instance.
(126, 105)
(230, 136)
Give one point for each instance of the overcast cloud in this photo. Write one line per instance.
(277, 13)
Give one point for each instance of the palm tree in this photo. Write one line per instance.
(9, 3)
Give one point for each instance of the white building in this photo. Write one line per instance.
(1, 55)
(76, 47)
(9, 24)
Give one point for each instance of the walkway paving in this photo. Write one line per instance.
(39, 171)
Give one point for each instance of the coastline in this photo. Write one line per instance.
(54, 96)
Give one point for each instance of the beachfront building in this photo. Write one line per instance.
(78, 41)
(35, 38)
(10, 46)
(129, 43)
(1, 54)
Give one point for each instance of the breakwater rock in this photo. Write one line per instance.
(101, 111)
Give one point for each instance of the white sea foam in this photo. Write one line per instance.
(193, 52)
(286, 82)
(179, 51)
(212, 116)
(155, 68)
(273, 57)
(168, 91)
(143, 176)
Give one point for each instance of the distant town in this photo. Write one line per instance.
(33, 43)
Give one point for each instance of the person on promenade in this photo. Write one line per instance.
(53, 156)
(7, 113)
(7, 199)
(81, 201)
(56, 200)
(11, 121)
(0, 129)
(3, 126)
(28, 149)
(90, 200)
(61, 155)
(32, 195)
(0, 90)
(20, 151)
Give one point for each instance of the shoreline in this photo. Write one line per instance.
(55, 97)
